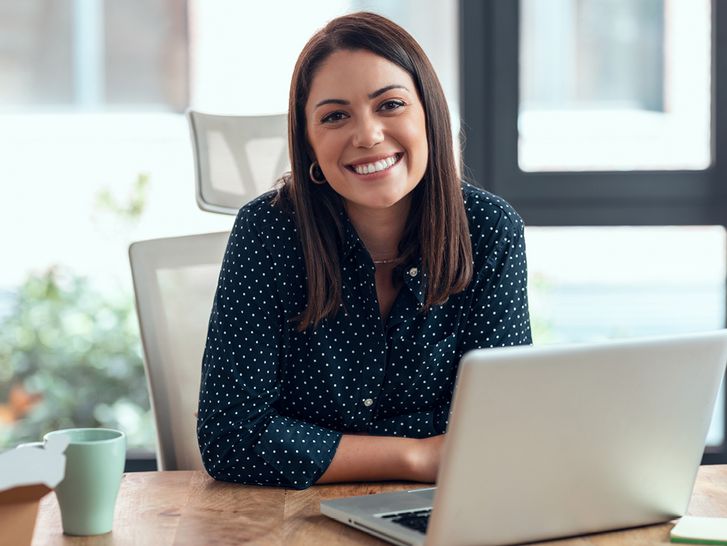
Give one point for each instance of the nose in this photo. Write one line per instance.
(368, 132)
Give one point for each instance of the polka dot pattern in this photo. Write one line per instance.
(275, 402)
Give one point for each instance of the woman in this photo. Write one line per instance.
(348, 295)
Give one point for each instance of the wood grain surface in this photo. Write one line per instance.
(190, 508)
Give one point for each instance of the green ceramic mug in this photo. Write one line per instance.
(94, 465)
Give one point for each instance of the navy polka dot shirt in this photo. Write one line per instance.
(275, 402)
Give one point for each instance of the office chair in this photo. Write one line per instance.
(174, 284)
(236, 157)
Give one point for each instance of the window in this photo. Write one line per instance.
(597, 121)
(600, 186)
(80, 54)
(595, 283)
(619, 85)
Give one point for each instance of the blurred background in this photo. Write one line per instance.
(599, 120)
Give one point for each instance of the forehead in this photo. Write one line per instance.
(353, 74)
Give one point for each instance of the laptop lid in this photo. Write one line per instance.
(552, 441)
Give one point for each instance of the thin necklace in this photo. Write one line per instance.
(385, 261)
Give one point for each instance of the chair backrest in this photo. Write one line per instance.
(174, 282)
(236, 158)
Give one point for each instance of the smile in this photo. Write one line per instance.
(376, 166)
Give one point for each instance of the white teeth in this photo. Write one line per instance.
(375, 167)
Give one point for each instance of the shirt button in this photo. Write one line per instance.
(368, 402)
(413, 272)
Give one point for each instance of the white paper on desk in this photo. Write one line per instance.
(700, 529)
(29, 465)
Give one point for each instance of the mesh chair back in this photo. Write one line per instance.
(236, 158)
(174, 282)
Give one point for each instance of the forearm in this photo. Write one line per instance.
(371, 458)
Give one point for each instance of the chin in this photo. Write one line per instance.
(381, 198)
(380, 201)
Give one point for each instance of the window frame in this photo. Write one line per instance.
(489, 44)
(489, 99)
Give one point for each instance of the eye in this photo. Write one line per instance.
(392, 105)
(333, 117)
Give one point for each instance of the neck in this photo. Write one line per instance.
(380, 229)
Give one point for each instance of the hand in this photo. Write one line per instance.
(424, 458)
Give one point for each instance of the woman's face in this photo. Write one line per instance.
(366, 126)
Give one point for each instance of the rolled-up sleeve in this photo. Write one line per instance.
(242, 437)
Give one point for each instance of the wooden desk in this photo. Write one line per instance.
(158, 508)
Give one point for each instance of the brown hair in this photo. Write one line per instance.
(437, 224)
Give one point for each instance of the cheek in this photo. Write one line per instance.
(416, 129)
(325, 147)
(416, 138)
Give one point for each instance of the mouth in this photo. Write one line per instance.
(376, 167)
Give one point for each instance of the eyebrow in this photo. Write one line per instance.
(371, 95)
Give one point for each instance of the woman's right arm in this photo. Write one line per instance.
(242, 437)
(380, 458)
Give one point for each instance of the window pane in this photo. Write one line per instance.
(90, 54)
(146, 53)
(606, 283)
(36, 53)
(614, 85)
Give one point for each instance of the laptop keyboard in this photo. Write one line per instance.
(417, 519)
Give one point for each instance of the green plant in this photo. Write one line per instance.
(70, 357)
(133, 208)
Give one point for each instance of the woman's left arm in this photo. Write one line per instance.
(499, 315)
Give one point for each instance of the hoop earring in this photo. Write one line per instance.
(311, 172)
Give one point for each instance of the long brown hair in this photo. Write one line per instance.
(436, 227)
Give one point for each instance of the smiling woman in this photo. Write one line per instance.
(348, 295)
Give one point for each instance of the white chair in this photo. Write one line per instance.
(236, 157)
(174, 283)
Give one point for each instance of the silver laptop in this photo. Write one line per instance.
(560, 440)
